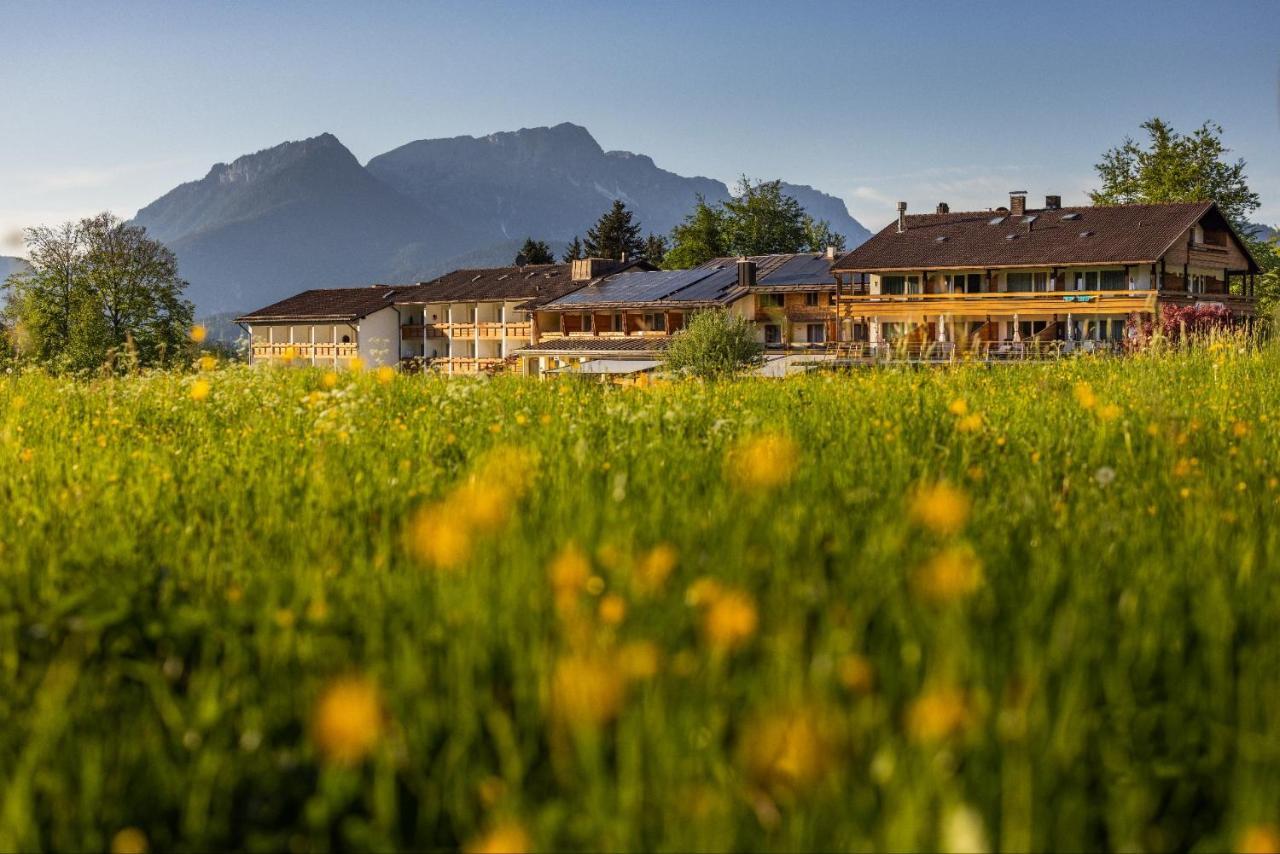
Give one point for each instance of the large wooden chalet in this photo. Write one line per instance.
(1015, 276)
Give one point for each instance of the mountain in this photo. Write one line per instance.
(308, 214)
(1258, 231)
(9, 266)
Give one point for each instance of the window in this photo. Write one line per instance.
(899, 285)
(960, 283)
(1040, 282)
(1087, 281)
(771, 300)
(772, 333)
(1018, 281)
(811, 300)
(1027, 328)
(1113, 280)
(817, 333)
(619, 323)
(656, 322)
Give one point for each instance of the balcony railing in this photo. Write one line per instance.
(1010, 302)
(306, 352)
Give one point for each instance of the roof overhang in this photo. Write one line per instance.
(943, 267)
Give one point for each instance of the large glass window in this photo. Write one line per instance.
(817, 333)
(811, 299)
(898, 285)
(1113, 280)
(1018, 281)
(771, 300)
(772, 333)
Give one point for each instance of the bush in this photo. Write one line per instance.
(714, 344)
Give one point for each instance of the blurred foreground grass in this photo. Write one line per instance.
(1016, 607)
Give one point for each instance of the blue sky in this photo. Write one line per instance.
(107, 106)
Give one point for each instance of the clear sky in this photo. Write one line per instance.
(109, 105)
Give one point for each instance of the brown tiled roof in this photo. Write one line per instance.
(534, 282)
(330, 304)
(1082, 235)
(592, 344)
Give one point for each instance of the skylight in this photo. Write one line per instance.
(1011, 237)
(1071, 216)
(996, 220)
(941, 238)
(1086, 234)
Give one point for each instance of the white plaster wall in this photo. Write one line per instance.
(380, 338)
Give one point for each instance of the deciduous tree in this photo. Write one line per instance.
(714, 344)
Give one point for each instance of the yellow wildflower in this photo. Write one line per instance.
(199, 333)
(762, 462)
(855, 673)
(1085, 396)
(348, 720)
(129, 840)
(958, 407)
(385, 374)
(199, 390)
(505, 838)
(330, 379)
(941, 508)
(482, 504)
(439, 538)
(290, 353)
(26, 455)
(356, 364)
(569, 571)
(639, 659)
(1259, 839)
(938, 714)
(729, 620)
(1240, 429)
(788, 750)
(1110, 412)
(208, 363)
(613, 609)
(969, 423)
(653, 569)
(586, 691)
(954, 573)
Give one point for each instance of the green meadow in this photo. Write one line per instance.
(1010, 607)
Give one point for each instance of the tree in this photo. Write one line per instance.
(759, 220)
(698, 239)
(574, 252)
(655, 249)
(715, 344)
(100, 291)
(1176, 168)
(534, 252)
(614, 235)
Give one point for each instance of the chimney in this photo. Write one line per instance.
(746, 273)
(831, 253)
(586, 269)
(943, 207)
(902, 217)
(1017, 202)
(1052, 203)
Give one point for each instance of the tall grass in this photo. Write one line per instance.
(1016, 606)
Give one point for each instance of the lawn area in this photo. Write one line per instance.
(1014, 606)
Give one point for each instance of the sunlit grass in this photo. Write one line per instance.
(1023, 606)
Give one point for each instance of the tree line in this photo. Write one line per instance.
(759, 219)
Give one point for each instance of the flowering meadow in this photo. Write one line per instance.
(1009, 607)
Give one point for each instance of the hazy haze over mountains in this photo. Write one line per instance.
(308, 214)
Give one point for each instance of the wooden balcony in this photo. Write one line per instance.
(305, 353)
(519, 330)
(915, 307)
(465, 364)
(416, 331)
(489, 329)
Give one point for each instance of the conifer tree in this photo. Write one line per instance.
(535, 252)
(574, 252)
(614, 235)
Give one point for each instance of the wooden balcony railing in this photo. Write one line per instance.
(1014, 302)
(987, 351)
(489, 329)
(305, 352)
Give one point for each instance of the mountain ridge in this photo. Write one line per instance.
(307, 213)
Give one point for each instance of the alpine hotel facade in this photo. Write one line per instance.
(1010, 282)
